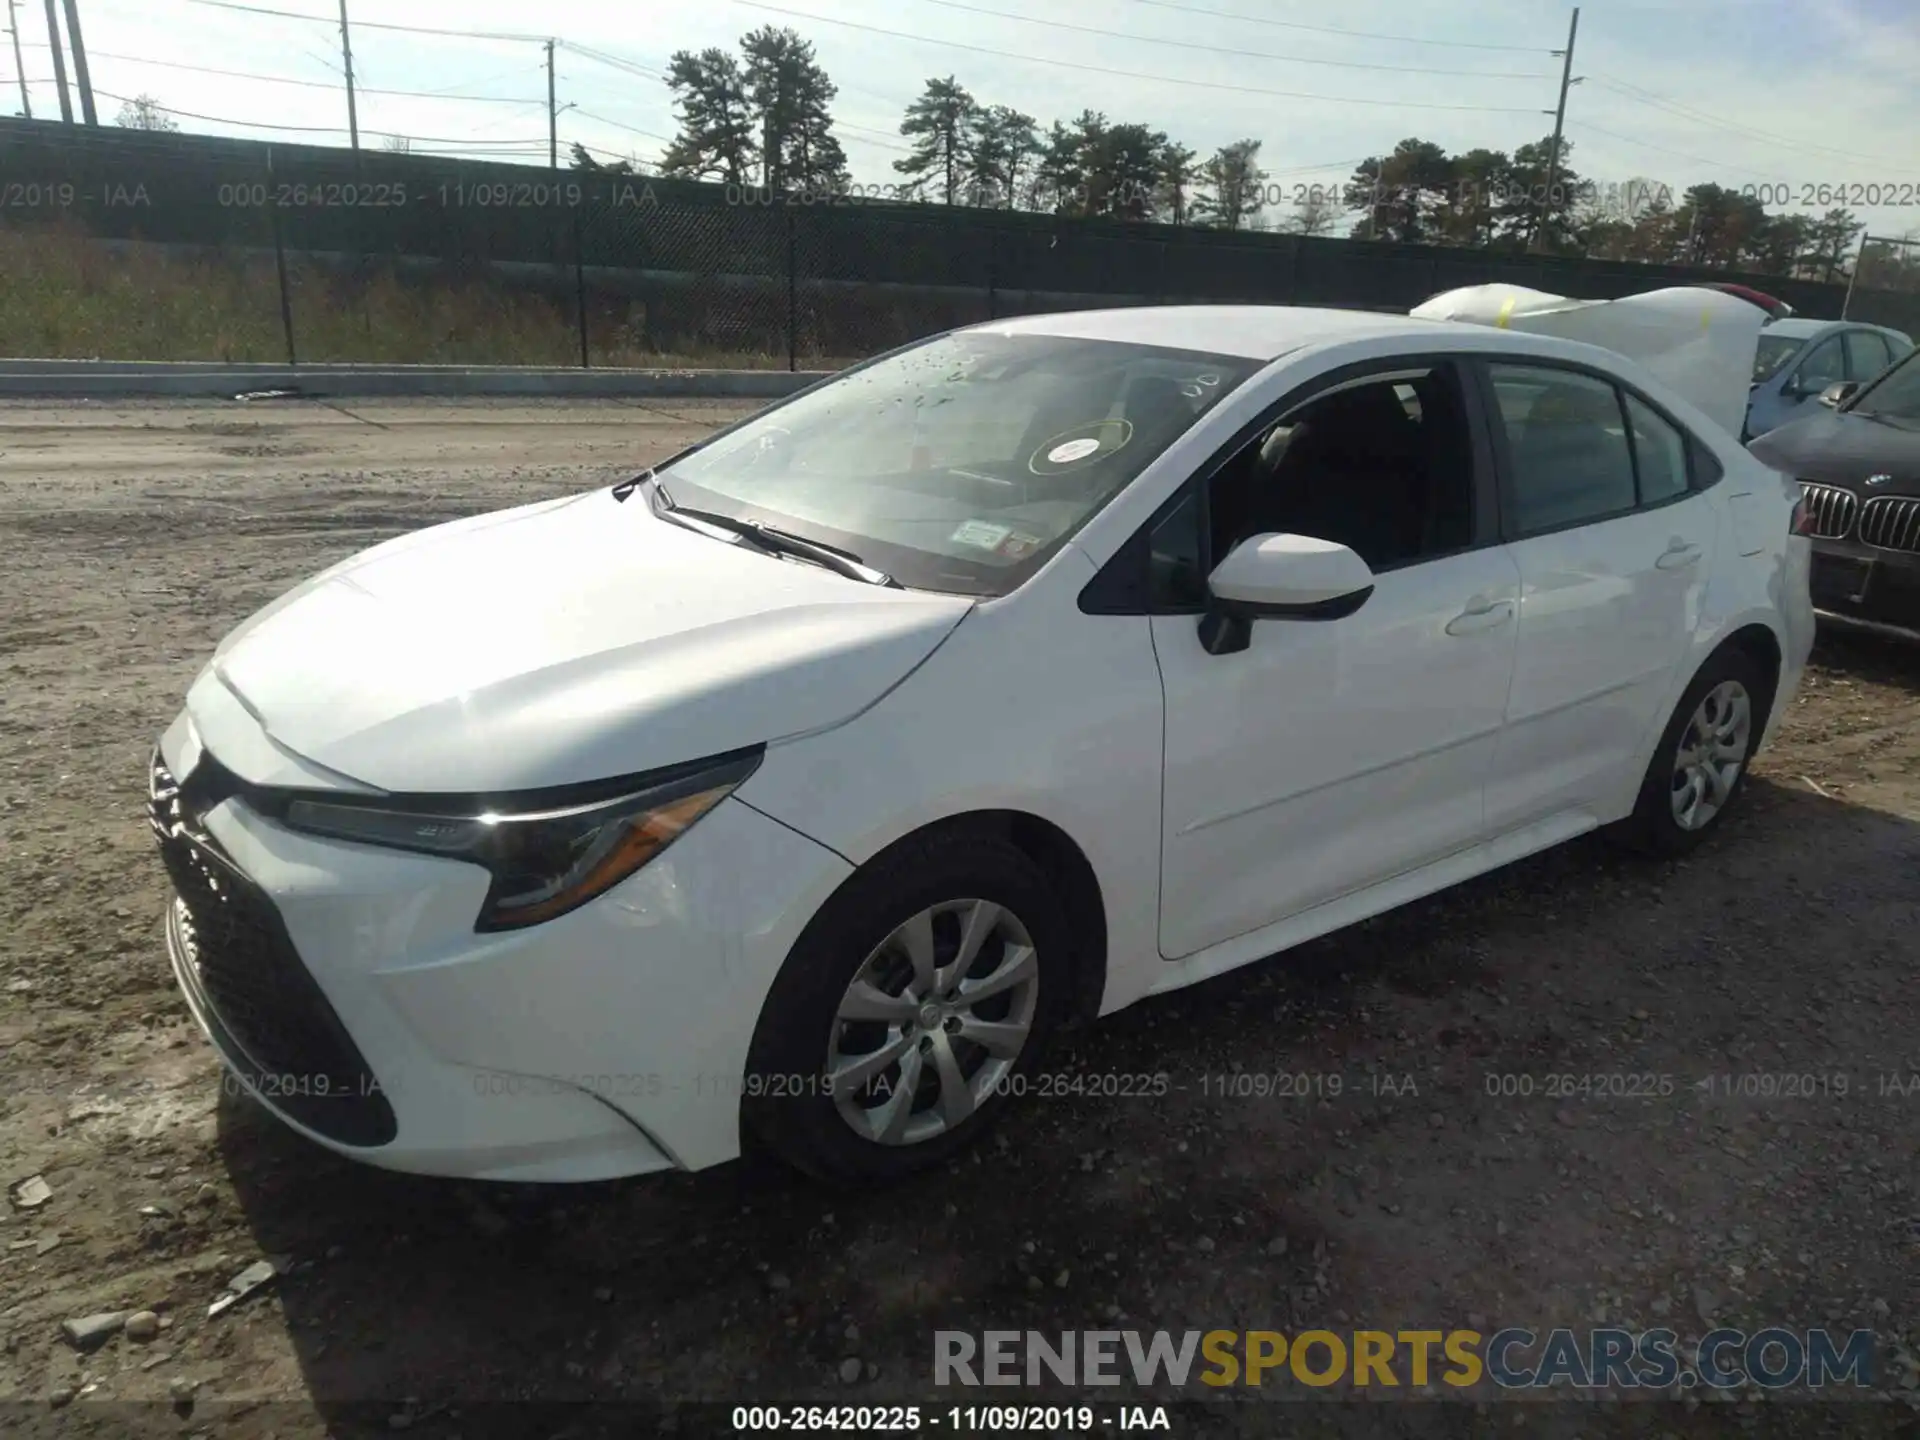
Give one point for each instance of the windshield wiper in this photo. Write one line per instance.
(844, 561)
(777, 542)
(1893, 421)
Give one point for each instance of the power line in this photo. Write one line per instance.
(616, 61)
(635, 67)
(313, 129)
(621, 125)
(308, 84)
(1677, 154)
(491, 79)
(1347, 34)
(1212, 85)
(372, 24)
(1236, 50)
(1661, 102)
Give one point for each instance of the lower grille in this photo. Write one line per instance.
(285, 1038)
(1891, 522)
(1830, 510)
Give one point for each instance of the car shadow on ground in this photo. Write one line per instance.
(1871, 656)
(430, 1305)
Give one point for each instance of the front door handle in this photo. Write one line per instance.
(1488, 616)
(1678, 555)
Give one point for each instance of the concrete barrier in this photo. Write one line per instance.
(112, 379)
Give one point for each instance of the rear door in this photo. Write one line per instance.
(1613, 546)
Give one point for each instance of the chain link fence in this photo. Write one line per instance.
(123, 244)
(1885, 287)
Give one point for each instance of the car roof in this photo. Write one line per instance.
(1267, 332)
(1253, 332)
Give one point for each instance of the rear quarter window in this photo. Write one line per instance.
(1706, 468)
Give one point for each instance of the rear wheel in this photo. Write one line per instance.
(1700, 765)
(909, 1010)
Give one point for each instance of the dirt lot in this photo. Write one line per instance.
(1419, 1197)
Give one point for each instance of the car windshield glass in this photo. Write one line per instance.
(1895, 398)
(1775, 351)
(962, 463)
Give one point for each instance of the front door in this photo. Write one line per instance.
(1331, 754)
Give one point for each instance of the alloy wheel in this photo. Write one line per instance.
(933, 1021)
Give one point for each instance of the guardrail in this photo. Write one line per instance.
(110, 379)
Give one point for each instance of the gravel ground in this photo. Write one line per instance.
(1420, 1196)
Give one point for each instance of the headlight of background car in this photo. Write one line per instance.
(546, 859)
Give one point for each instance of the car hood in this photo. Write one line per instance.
(1838, 448)
(566, 641)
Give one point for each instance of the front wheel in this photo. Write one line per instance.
(1700, 766)
(909, 1010)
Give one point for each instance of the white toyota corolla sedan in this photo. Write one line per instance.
(794, 792)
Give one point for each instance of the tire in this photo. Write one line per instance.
(857, 1134)
(1728, 681)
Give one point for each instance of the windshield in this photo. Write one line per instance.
(1894, 397)
(963, 463)
(1775, 351)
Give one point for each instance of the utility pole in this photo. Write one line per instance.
(346, 54)
(80, 62)
(1559, 124)
(59, 62)
(19, 65)
(553, 117)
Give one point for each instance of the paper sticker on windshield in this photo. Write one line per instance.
(1018, 545)
(1080, 446)
(980, 534)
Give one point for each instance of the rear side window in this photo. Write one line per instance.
(1707, 469)
(1569, 454)
(1661, 451)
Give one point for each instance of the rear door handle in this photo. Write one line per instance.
(1486, 616)
(1679, 554)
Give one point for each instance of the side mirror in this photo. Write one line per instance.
(1838, 393)
(1280, 577)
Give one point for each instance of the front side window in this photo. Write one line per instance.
(1567, 447)
(963, 463)
(1383, 466)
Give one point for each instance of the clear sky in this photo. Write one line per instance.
(1777, 93)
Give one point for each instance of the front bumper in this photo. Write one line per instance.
(1867, 584)
(610, 1041)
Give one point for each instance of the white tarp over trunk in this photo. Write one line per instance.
(1701, 342)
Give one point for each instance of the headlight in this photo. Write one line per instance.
(546, 859)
